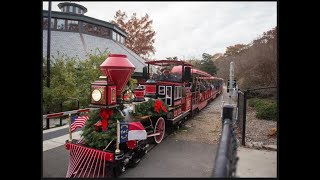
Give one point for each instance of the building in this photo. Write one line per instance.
(75, 35)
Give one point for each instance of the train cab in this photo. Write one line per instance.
(170, 83)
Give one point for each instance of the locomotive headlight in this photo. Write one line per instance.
(96, 95)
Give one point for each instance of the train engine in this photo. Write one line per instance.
(118, 135)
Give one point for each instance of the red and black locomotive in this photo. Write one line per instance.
(174, 88)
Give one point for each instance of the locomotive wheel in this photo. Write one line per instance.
(160, 127)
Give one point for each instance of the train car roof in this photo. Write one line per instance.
(178, 69)
(167, 63)
(211, 78)
(202, 73)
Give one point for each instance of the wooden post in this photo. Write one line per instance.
(118, 140)
(70, 133)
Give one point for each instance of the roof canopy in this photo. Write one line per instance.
(167, 63)
(199, 72)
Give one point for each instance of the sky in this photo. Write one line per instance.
(188, 29)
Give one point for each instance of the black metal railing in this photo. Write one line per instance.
(241, 113)
(61, 110)
(226, 157)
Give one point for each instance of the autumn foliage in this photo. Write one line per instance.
(255, 63)
(140, 37)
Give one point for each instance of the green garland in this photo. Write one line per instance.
(99, 139)
(147, 108)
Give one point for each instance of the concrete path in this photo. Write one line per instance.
(171, 158)
(176, 158)
(257, 163)
(56, 137)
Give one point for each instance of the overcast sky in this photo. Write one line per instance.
(188, 29)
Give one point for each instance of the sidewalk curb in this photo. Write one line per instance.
(260, 146)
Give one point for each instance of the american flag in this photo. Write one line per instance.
(78, 122)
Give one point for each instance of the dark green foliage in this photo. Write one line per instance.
(266, 108)
(70, 81)
(205, 64)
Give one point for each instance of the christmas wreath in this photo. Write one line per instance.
(101, 128)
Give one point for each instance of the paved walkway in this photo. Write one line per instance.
(257, 163)
(171, 158)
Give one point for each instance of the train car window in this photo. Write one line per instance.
(169, 92)
(169, 95)
(187, 74)
(178, 92)
(161, 90)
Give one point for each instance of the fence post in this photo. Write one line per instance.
(48, 121)
(238, 106)
(244, 118)
(227, 112)
(61, 116)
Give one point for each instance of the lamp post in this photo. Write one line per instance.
(48, 45)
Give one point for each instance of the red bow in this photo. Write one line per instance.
(158, 105)
(105, 114)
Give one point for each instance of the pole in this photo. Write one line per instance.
(150, 72)
(48, 121)
(231, 80)
(244, 118)
(70, 133)
(61, 116)
(118, 135)
(48, 45)
(78, 104)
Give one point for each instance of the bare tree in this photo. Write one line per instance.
(256, 63)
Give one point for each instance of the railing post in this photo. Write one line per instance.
(244, 118)
(61, 116)
(222, 161)
(227, 112)
(238, 106)
(48, 121)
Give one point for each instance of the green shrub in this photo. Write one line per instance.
(70, 81)
(266, 108)
(254, 102)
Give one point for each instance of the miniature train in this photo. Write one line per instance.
(173, 88)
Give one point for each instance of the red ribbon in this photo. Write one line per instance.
(158, 105)
(105, 114)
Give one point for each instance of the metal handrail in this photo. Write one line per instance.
(226, 157)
